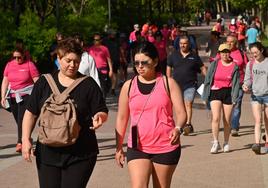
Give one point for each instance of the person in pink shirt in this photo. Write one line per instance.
(217, 27)
(154, 138)
(165, 32)
(240, 59)
(101, 55)
(132, 36)
(221, 87)
(161, 47)
(17, 84)
(150, 36)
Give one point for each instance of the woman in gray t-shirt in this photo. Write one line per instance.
(256, 80)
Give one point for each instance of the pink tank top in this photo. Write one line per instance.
(156, 122)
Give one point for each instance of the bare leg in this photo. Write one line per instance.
(189, 111)
(227, 113)
(216, 107)
(256, 110)
(140, 171)
(162, 175)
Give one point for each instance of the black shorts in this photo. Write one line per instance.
(169, 158)
(223, 95)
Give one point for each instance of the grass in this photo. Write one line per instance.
(264, 40)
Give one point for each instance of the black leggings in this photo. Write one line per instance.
(75, 175)
(18, 110)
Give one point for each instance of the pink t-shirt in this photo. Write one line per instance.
(20, 75)
(156, 122)
(161, 49)
(100, 55)
(166, 33)
(223, 76)
(132, 36)
(150, 38)
(240, 61)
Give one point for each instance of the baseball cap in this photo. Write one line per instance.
(224, 47)
(136, 26)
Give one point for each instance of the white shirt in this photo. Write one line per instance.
(88, 67)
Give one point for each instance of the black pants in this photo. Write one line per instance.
(75, 175)
(105, 82)
(18, 110)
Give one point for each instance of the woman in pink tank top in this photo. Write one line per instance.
(148, 101)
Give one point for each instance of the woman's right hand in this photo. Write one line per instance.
(120, 158)
(3, 102)
(27, 150)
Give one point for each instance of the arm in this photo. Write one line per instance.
(35, 79)
(4, 88)
(179, 109)
(110, 67)
(28, 124)
(121, 123)
(203, 70)
(168, 72)
(247, 80)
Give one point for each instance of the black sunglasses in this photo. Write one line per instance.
(97, 39)
(142, 63)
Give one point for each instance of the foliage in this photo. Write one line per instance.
(37, 38)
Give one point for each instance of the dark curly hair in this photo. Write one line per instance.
(69, 45)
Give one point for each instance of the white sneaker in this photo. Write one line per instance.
(226, 148)
(215, 147)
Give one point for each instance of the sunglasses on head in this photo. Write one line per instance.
(142, 63)
(17, 57)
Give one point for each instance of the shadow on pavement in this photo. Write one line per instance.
(8, 146)
(9, 155)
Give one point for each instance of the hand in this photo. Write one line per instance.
(97, 121)
(3, 102)
(120, 158)
(245, 88)
(27, 150)
(175, 136)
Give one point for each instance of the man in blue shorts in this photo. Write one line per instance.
(184, 65)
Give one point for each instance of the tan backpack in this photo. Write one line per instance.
(58, 125)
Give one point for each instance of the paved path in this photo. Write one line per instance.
(240, 168)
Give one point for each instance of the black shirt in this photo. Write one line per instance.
(185, 69)
(88, 98)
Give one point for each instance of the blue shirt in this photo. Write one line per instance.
(252, 34)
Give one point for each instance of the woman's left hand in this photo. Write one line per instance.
(175, 136)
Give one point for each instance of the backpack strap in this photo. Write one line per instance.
(130, 85)
(52, 84)
(167, 85)
(74, 84)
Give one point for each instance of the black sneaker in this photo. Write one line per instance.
(256, 148)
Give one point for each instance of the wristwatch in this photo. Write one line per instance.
(180, 129)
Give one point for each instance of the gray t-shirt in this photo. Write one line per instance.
(256, 77)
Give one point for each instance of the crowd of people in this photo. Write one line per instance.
(166, 65)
